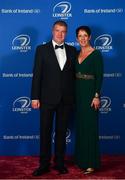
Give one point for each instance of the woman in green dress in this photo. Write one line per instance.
(89, 75)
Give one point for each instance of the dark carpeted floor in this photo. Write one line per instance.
(21, 167)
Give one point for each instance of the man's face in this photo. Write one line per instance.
(59, 33)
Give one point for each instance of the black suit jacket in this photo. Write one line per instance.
(49, 83)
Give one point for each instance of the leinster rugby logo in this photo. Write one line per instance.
(62, 10)
(105, 105)
(68, 136)
(22, 105)
(103, 43)
(21, 43)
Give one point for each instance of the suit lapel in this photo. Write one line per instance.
(67, 54)
(68, 60)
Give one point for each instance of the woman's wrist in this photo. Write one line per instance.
(97, 96)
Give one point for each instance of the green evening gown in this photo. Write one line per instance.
(87, 139)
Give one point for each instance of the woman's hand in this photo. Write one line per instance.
(95, 103)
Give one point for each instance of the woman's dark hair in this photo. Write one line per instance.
(83, 28)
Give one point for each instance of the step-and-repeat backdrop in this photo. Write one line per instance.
(24, 25)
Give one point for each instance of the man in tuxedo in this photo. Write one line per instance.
(53, 93)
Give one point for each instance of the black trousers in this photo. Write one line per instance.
(62, 114)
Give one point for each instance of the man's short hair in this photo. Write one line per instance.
(61, 23)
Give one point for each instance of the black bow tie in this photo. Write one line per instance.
(56, 46)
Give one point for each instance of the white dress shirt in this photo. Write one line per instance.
(60, 54)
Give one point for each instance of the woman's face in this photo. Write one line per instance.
(83, 38)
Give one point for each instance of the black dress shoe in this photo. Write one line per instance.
(40, 171)
(61, 169)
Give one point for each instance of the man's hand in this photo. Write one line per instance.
(35, 104)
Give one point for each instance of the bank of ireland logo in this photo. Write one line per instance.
(105, 105)
(22, 105)
(21, 43)
(68, 136)
(62, 10)
(103, 42)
